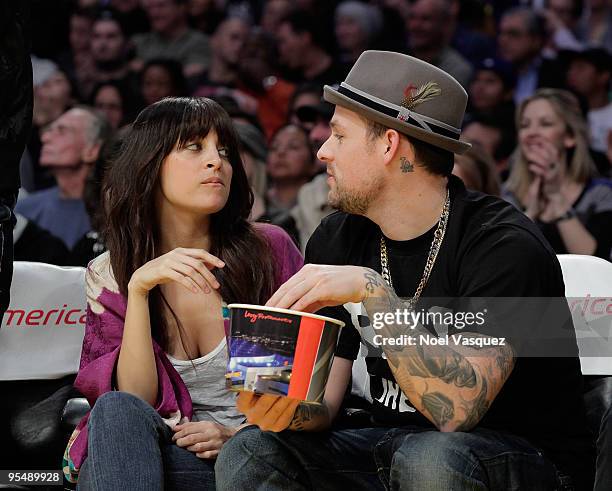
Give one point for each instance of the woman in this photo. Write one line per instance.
(176, 200)
(290, 165)
(554, 180)
(116, 101)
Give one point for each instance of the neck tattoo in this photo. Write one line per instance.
(405, 165)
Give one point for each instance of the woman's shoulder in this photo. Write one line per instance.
(100, 274)
(287, 257)
(597, 196)
(273, 233)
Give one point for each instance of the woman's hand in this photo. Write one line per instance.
(534, 202)
(545, 161)
(204, 438)
(189, 267)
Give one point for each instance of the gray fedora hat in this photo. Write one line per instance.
(406, 94)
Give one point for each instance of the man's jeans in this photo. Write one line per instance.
(130, 448)
(7, 222)
(382, 458)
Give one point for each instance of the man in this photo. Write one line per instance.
(589, 75)
(562, 18)
(428, 38)
(226, 45)
(171, 37)
(446, 416)
(492, 88)
(301, 49)
(521, 38)
(70, 148)
(109, 48)
(495, 136)
(15, 123)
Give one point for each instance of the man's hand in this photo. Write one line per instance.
(316, 286)
(204, 438)
(269, 412)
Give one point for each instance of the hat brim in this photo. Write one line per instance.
(456, 146)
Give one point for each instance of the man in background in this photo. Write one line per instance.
(70, 148)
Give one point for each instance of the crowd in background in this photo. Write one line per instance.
(539, 117)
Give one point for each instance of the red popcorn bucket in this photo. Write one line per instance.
(279, 351)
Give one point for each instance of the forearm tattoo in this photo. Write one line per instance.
(455, 387)
(373, 280)
(307, 414)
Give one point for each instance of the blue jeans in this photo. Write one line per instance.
(382, 458)
(130, 447)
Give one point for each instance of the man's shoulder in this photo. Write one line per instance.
(493, 224)
(601, 113)
(336, 236)
(37, 199)
(341, 224)
(193, 37)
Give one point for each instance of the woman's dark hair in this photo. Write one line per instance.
(132, 232)
(93, 185)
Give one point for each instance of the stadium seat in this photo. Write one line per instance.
(40, 345)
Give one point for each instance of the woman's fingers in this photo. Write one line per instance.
(190, 272)
(186, 281)
(210, 454)
(203, 255)
(204, 446)
(202, 270)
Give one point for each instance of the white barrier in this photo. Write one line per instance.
(42, 331)
(588, 288)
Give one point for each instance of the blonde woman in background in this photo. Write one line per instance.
(553, 178)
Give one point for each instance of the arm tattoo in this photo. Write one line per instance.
(440, 407)
(305, 413)
(475, 409)
(372, 280)
(447, 365)
(473, 376)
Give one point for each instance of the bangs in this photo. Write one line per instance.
(198, 117)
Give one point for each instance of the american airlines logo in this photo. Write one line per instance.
(48, 317)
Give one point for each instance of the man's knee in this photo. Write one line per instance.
(240, 448)
(241, 460)
(432, 459)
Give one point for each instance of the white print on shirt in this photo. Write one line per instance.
(394, 398)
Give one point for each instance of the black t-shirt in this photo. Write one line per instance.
(490, 249)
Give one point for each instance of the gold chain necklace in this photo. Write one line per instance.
(431, 258)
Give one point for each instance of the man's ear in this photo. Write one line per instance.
(391, 143)
(90, 152)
